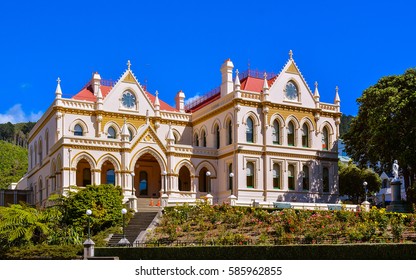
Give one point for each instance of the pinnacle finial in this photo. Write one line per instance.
(265, 75)
(316, 84)
(58, 80)
(128, 64)
(236, 72)
(336, 89)
(290, 54)
(156, 93)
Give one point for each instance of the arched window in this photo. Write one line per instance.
(143, 183)
(196, 140)
(78, 131)
(276, 132)
(305, 178)
(249, 130)
(40, 151)
(47, 142)
(111, 133)
(229, 132)
(291, 91)
(230, 178)
(325, 139)
(31, 157)
(40, 191)
(305, 135)
(204, 139)
(276, 176)
(291, 134)
(217, 136)
(325, 179)
(250, 174)
(110, 177)
(291, 177)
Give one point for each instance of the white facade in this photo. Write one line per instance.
(272, 133)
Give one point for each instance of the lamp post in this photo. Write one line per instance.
(231, 183)
(89, 212)
(132, 183)
(365, 189)
(124, 241)
(164, 173)
(88, 244)
(208, 182)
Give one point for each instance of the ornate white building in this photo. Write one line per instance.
(265, 137)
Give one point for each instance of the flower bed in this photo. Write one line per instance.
(204, 224)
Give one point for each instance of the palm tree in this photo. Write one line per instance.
(22, 224)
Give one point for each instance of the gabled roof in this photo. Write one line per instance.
(255, 84)
(87, 94)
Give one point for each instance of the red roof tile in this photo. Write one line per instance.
(87, 94)
(163, 105)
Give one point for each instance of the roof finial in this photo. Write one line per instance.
(58, 91)
(290, 54)
(128, 64)
(316, 93)
(337, 100)
(236, 80)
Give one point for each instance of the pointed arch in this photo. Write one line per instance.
(277, 123)
(228, 126)
(216, 122)
(110, 158)
(203, 137)
(188, 164)
(327, 135)
(83, 155)
(82, 124)
(251, 121)
(47, 142)
(208, 166)
(307, 129)
(159, 158)
(108, 127)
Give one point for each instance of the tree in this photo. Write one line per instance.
(345, 124)
(13, 163)
(385, 127)
(351, 179)
(24, 225)
(105, 201)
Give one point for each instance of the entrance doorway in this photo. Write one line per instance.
(147, 182)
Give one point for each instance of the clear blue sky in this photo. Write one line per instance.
(176, 45)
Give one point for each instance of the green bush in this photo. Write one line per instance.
(45, 252)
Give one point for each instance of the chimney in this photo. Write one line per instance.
(96, 81)
(180, 101)
(227, 84)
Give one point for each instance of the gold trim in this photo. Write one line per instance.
(292, 69)
(129, 79)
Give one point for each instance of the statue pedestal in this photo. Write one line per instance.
(396, 205)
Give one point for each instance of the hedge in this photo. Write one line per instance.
(393, 251)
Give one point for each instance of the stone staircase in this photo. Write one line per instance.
(139, 222)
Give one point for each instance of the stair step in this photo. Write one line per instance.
(138, 223)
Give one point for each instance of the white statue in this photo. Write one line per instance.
(395, 171)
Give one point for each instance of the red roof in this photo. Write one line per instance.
(255, 84)
(87, 94)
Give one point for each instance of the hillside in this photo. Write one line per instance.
(17, 134)
(13, 163)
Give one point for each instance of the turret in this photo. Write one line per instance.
(227, 84)
(157, 104)
(337, 100)
(96, 82)
(180, 101)
(265, 88)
